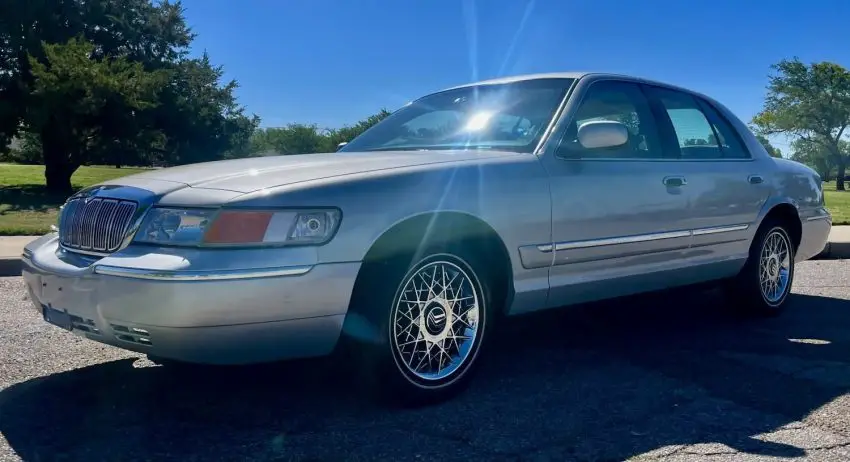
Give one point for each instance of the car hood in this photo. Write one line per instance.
(257, 173)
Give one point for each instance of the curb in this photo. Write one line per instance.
(835, 251)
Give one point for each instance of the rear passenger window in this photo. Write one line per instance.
(701, 132)
(730, 142)
(697, 138)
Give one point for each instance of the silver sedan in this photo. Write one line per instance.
(414, 241)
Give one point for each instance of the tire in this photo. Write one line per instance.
(415, 330)
(763, 285)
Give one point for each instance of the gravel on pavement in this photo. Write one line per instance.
(664, 377)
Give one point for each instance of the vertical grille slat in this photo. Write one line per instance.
(113, 229)
(95, 225)
(107, 214)
(85, 216)
(91, 224)
(78, 224)
(66, 221)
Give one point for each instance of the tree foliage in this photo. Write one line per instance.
(308, 138)
(817, 157)
(810, 103)
(348, 133)
(771, 149)
(110, 81)
(26, 149)
(78, 104)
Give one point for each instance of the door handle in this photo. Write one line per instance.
(675, 181)
(755, 179)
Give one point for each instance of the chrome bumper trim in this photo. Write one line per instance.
(212, 275)
(819, 217)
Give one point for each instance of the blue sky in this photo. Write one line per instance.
(332, 62)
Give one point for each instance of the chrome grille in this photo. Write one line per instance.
(95, 225)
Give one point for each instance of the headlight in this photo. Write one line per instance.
(174, 226)
(237, 227)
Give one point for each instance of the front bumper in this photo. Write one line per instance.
(195, 305)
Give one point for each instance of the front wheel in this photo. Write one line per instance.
(432, 317)
(764, 283)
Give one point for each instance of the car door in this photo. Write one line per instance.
(726, 186)
(618, 215)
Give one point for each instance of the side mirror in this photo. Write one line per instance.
(602, 134)
(340, 145)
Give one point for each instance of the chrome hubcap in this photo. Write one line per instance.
(774, 266)
(436, 320)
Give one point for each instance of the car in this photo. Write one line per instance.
(412, 243)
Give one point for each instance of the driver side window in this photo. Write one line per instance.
(614, 101)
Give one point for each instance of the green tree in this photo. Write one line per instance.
(817, 157)
(348, 133)
(771, 149)
(24, 150)
(298, 138)
(73, 94)
(811, 103)
(170, 108)
(199, 114)
(294, 138)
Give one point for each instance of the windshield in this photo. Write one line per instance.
(510, 116)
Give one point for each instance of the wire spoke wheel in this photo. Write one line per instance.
(435, 320)
(775, 267)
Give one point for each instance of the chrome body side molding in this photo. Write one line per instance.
(640, 238)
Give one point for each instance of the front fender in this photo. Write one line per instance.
(510, 194)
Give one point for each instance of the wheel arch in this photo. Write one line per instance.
(412, 235)
(787, 213)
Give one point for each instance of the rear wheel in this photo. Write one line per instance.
(431, 318)
(764, 283)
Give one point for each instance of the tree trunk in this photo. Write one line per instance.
(58, 167)
(58, 178)
(835, 152)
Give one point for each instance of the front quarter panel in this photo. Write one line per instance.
(509, 193)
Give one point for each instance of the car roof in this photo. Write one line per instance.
(573, 75)
(520, 78)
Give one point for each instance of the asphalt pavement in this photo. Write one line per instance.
(670, 377)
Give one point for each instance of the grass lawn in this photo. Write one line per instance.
(27, 209)
(838, 204)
